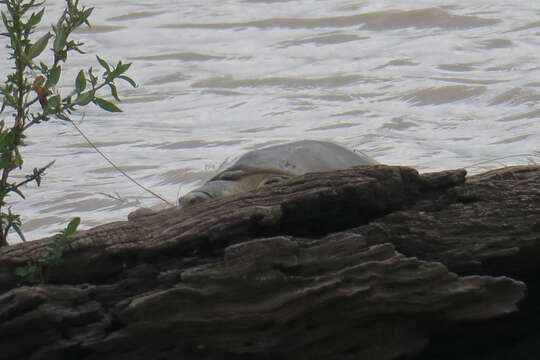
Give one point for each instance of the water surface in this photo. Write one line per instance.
(434, 85)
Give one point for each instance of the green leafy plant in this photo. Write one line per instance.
(34, 272)
(30, 94)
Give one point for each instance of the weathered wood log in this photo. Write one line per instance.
(365, 263)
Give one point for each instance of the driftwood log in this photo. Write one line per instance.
(367, 263)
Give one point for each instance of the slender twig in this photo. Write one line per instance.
(117, 197)
(28, 104)
(33, 177)
(116, 167)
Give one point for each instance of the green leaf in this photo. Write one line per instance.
(60, 41)
(129, 80)
(93, 78)
(54, 76)
(82, 17)
(43, 67)
(11, 138)
(58, 243)
(119, 70)
(37, 48)
(84, 98)
(106, 105)
(35, 18)
(9, 100)
(5, 163)
(19, 232)
(72, 226)
(36, 176)
(86, 14)
(22, 271)
(80, 82)
(114, 92)
(17, 159)
(54, 102)
(52, 257)
(103, 63)
(72, 45)
(61, 20)
(123, 67)
(29, 272)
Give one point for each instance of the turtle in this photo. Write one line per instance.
(275, 164)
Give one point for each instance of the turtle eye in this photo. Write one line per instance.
(273, 180)
(194, 199)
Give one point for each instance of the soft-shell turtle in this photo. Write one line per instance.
(275, 164)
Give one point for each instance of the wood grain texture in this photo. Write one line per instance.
(364, 263)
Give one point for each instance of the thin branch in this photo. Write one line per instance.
(117, 168)
(33, 177)
(28, 104)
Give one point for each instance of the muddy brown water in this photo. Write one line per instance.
(430, 84)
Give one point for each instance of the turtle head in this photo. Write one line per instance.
(216, 189)
(193, 198)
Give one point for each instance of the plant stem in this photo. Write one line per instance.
(117, 168)
(18, 38)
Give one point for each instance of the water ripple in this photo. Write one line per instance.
(380, 20)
